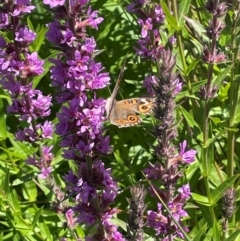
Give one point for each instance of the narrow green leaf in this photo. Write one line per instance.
(222, 75)
(7, 97)
(183, 10)
(215, 231)
(13, 202)
(38, 42)
(3, 129)
(45, 231)
(37, 216)
(218, 192)
(211, 140)
(196, 26)
(29, 24)
(199, 230)
(200, 199)
(170, 19)
(192, 67)
(5, 183)
(30, 190)
(223, 92)
(234, 236)
(23, 149)
(191, 122)
(237, 115)
(206, 214)
(28, 236)
(22, 179)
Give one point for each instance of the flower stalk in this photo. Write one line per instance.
(164, 85)
(81, 118)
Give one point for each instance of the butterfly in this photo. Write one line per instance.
(124, 113)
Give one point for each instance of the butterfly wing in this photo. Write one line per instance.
(123, 117)
(139, 105)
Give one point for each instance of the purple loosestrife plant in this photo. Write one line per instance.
(164, 85)
(81, 118)
(18, 66)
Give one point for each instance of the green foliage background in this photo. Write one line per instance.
(25, 201)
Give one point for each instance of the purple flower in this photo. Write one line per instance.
(45, 172)
(185, 191)
(71, 221)
(159, 15)
(89, 46)
(178, 86)
(33, 66)
(2, 42)
(47, 130)
(93, 19)
(157, 221)
(177, 210)
(149, 82)
(87, 193)
(68, 37)
(47, 155)
(78, 64)
(27, 135)
(12, 86)
(172, 40)
(146, 26)
(188, 156)
(25, 36)
(54, 3)
(54, 33)
(4, 21)
(21, 7)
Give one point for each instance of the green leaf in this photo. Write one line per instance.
(188, 117)
(44, 230)
(38, 42)
(218, 192)
(5, 182)
(200, 199)
(183, 10)
(195, 87)
(22, 179)
(221, 76)
(170, 19)
(192, 67)
(30, 190)
(215, 230)
(196, 26)
(234, 236)
(223, 92)
(199, 230)
(13, 202)
(237, 115)
(21, 148)
(37, 216)
(3, 129)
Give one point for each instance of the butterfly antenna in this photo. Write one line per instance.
(114, 93)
